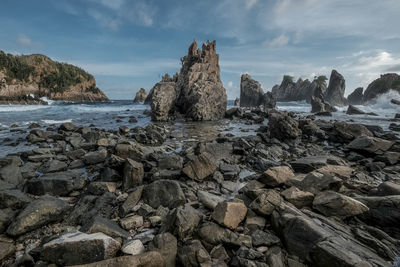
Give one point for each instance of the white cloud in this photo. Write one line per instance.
(281, 40)
(250, 3)
(24, 41)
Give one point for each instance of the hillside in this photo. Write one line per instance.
(26, 78)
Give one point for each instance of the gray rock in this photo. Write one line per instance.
(252, 95)
(140, 96)
(95, 157)
(201, 167)
(194, 254)
(76, 248)
(6, 216)
(352, 110)
(163, 192)
(38, 213)
(182, 222)
(131, 201)
(7, 249)
(283, 127)
(297, 197)
(301, 90)
(163, 97)
(388, 189)
(370, 145)
(167, 245)
(59, 184)
(14, 199)
(102, 225)
(311, 163)
(10, 170)
(133, 247)
(335, 92)
(209, 200)
(382, 85)
(54, 165)
(266, 202)
(276, 176)
(133, 174)
(214, 234)
(356, 97)
(261, 238)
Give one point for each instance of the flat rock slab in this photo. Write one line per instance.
(79, 248)
(370, 145)
(148, 259)
(38, 213)
(311, 163)
(201, 167)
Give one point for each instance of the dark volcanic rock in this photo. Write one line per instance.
(283, 126)
(163, 192)
(250, 92)
(352, 110)
(382, 85)
(10, 170)
(318, 105)
(335, 93)
(162, 99)
(141, 96)
(356, 98)
(301, 90)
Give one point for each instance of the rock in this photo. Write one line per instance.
(229, 214)
(194, 254)
(141, 96)
(209, 200)
(356, 98)
(99, 188)
(335, 93)
(250, 92)
(261, 238)
(311, 163)
(40, 212)
(196, 91)
(332, 203)
(59, 184)
(234, 112)
(14, 199)
(214, 234)
(68, 127)
(10, 170)
(167, 245)
(163, 97)
(383, 211)
(276, 176)
(79, 248)
(163, 192)
(131, 201)
(352, 110)
(268, 100)
(370, 145)
(201, 167)
(133, 247)
(6, 215)
(54, 165)
(95, 157)
(133, 174)
(397, 116)
(346, 132)
(123, 130)
(297, 197)
(148, 259)
(102, 225)
(320, 107)
(321, 241)
(394, 101)
(7, 250)
(132, 222)
(298, 91)
(248, 257)
(315, 182)
(283, 127)
(266, 202)
(201, 93)
(382, 85)
(388, 189)
(237, 102)
(182, 222)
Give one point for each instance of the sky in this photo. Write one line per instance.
(129, 44)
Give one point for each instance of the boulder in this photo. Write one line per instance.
(346, 132)
(332, 203)
(95, 157)
(140, 96)
(10, 170)
(167, 245)
(266, 202)
(311, 163)
(201, 167)
(229, 214)
(236, 103)
(214, 234)
(182, 222)
(40, 212)
(133, 247)
(133, 174)
(297, 197)
(99, 224)
(268, 100)
(370, 145)
(148, 259)
(163, 97)
(395, 101)
(301, 90)
(388, 189)
(75, 248)
(209, 200)
(167, 193)
(6, 215)
(335, 93)
(283, 127)
(14, 199)
(250, 92)
(194, 254)
(7, 249)
(356, 98)
(315, 182)
(58, 184)
(352, 110)
(319, 106)
(382, 85)
(276, 176)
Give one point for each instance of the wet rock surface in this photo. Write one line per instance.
(298, 191)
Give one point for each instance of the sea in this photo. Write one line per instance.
(15, 119)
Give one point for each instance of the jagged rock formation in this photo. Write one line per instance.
(237, 102)
(39, 76)
(162, 101)
(356, 98)
(319, 105)
(252, 95)
(199, 93)
(141, 96)
(382, 85)
(297, 91)
(335, 93)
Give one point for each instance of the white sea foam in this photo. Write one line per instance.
(21, 108)
(56, 122)
(92, 108)
(49, 101)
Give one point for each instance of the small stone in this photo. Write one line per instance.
(133, 247)
(332, 203)
(297, 197)
(132, 222)
(229, 214)
(276, 176)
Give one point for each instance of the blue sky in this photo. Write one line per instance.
(128, 44)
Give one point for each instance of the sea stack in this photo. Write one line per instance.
(199, 93)
(141, 96)
(252, 95)
(382, 85)
(335, 93)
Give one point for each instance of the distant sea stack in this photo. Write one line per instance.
(382, 85)
(26, 78)
(335, 93)
(141, 96)
(252, 95)
(196, 92)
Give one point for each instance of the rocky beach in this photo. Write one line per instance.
(189, 179)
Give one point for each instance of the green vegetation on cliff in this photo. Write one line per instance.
(15, 68)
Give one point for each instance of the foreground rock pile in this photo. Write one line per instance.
(301, 192)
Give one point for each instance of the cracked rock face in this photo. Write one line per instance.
(196, 91)
(335, 92)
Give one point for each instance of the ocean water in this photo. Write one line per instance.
(15, 119)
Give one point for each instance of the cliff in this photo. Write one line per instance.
(26, 78)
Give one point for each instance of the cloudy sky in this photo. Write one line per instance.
(128, 44)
